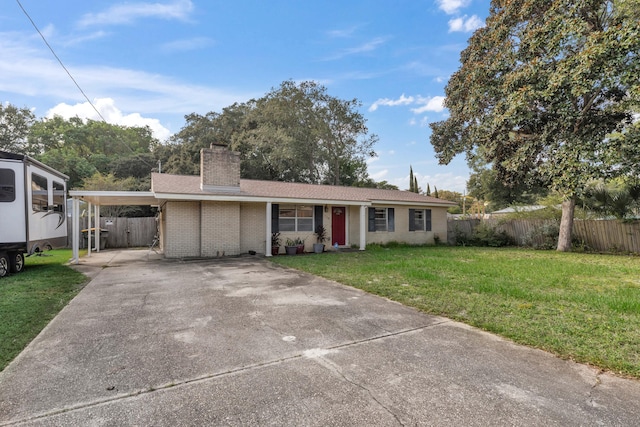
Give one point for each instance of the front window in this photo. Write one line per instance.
(39, 193)
(295, 218)
(7, 185)
(418, 219)
(381, 220)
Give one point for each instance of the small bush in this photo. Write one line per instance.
(543, 237)
(485, 235)
(460, 237)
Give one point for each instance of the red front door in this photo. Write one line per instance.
(338, 225)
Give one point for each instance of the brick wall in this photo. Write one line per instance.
(182, 229)
(220, 229)
(402, 233)
(253, 228)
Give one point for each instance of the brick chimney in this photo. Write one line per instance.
(219, 169)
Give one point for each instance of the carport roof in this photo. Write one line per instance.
(116, 198)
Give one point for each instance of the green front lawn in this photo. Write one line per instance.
(29, 300)
(583, 307)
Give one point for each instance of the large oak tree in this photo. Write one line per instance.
(14, 127)
(297, 132)
(541, 88)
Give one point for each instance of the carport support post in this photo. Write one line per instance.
(97, 235)
(267, 251)
(363, 227)
(89, 230)
(75, 230)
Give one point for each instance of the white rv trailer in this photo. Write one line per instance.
(32, 210)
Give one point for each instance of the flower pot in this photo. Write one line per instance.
(318, 248)
(300, 249)
(291, 250)
(275, 250)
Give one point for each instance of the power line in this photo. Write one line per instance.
(60, 61)
(71, 77)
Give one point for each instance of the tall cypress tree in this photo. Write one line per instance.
(411, 181)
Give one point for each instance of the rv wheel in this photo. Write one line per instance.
(4, 265)
(16, 259)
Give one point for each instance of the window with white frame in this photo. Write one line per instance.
(295, 218)
(381, 219)
(419, 219)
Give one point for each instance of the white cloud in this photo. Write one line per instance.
(379, 176)
(128, 13)
(435, 104)
(187, 44)
(369, 46)
(112, 114)
(403, 100)
(75, 40)
(343, 32)
(27, 71)
(464, 24)
(452, 6)
(443, 181)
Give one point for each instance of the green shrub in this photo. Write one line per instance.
(544, 236)
(486, 235)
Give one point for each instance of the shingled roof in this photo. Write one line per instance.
(172, 186)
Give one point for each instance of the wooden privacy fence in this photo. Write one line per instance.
(121, 232)
(598, 235)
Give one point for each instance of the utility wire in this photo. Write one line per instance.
(60, 61)
(71, 77)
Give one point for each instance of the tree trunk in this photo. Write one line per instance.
(566, 225)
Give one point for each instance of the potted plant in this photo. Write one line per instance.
(321, 237)
(275, 243)
(290, 247)
(299, 245)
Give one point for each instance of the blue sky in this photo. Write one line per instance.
(151, 63)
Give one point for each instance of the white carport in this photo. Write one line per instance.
(95, 199)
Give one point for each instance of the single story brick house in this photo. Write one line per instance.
(217, 213)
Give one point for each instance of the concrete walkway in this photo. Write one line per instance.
(240, 341)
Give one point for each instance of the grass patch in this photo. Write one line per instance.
(582, 307)
(29, 300)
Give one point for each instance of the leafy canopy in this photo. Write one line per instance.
(296, 132)
(541, 87)
(14, 127)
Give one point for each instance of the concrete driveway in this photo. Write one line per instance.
(243, 342)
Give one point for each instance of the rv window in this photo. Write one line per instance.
(7, 185)
(58, 197)
(39, 196)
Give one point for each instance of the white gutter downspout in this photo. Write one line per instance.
(363, 227)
